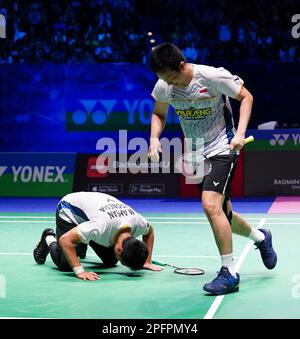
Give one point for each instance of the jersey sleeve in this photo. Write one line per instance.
(88, 231)
(140, 227)
(224, 82)
(160, 92)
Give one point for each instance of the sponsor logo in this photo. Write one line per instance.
(106, 188)
(43, 174)
(281, 139)
(296, 28)
(215, 183)
(147, 189)
(98, 115)
(294, 183)
(193, 114)
(95, 115)
(203, 90)
(97, 167)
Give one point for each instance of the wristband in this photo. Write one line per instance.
(77, 270)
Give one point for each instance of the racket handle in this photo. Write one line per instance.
(249, 139)
(155, 262)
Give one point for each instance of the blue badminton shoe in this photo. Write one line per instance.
(268, 255)
(224, 283)
(41, 250)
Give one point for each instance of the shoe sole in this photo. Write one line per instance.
(236, 289)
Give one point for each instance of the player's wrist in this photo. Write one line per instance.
(78, 270)
(241, 134)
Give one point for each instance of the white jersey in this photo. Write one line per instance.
(100, 217)
(201, 108)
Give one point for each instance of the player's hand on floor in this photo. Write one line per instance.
(88, 276)
(237, 143)
(152, 267)
(154, 149)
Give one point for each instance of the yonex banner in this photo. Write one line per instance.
(36, 174)
(275, 140)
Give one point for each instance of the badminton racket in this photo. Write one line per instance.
(196, 165)
(181, 270)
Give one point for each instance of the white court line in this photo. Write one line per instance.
(217, 302)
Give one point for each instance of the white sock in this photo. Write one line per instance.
(50, 239)
(256, 235)
(227, 261)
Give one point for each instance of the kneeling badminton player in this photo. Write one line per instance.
(103, 222)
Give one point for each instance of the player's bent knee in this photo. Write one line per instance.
(211, 208)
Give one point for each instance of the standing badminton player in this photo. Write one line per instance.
(199, 94)
(103, 222)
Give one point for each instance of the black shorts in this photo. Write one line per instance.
(106, 254)
(221, 174)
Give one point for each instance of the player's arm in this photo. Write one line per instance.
(149, 241)
(68, 242)
(158, 123)
(246, 100)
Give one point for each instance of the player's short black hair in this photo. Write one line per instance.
(166, 56)
(135, 253)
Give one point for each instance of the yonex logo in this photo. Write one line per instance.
(38, 174)
(280, 139)
(98, 117)
(216, 183)
(95, 114)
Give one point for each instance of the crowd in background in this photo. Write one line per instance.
(93, 31)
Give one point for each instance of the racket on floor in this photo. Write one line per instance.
(181, 270)
(195, 165)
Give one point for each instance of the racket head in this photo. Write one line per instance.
(189, 271)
